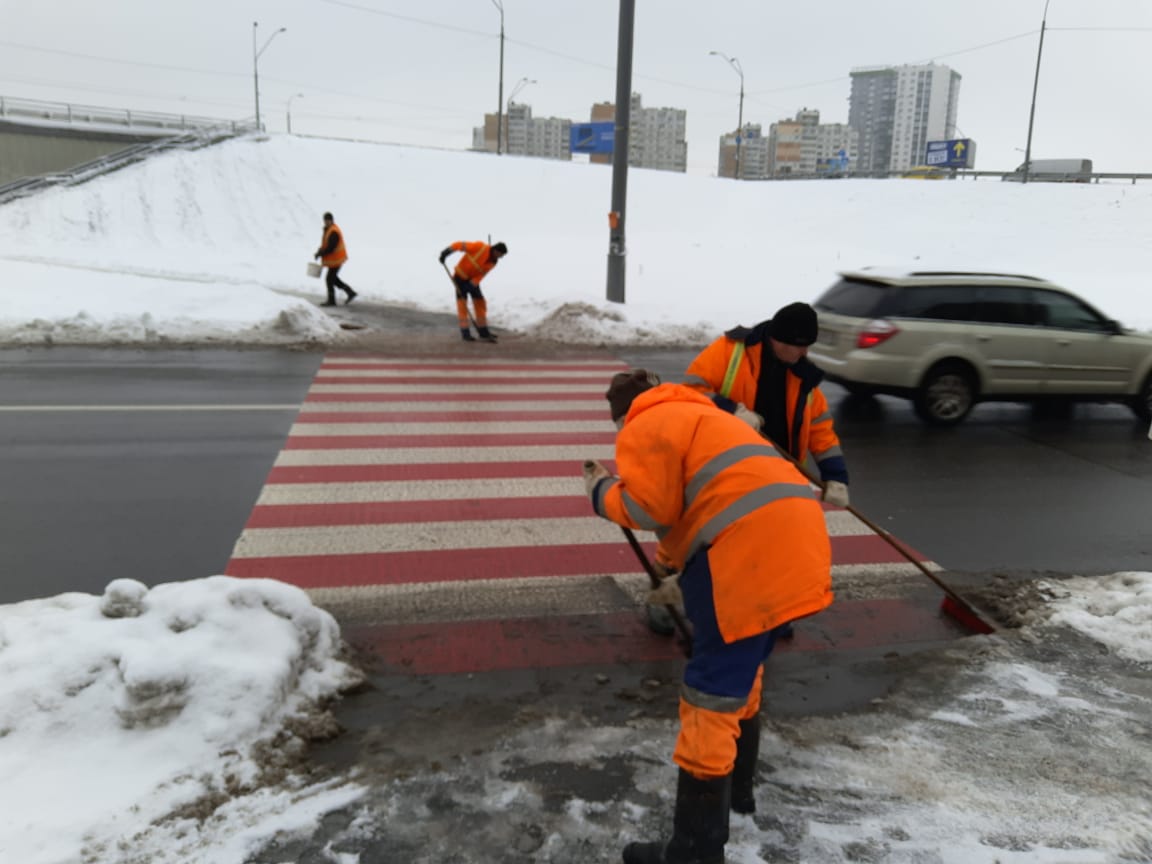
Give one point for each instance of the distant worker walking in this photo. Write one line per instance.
(332, 254)
(477, 261)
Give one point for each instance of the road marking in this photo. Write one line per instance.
(439, 506)
(19, 409)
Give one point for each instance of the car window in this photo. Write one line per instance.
(1002, 304)
(853, 297)
(1065, 312)
(935, 302)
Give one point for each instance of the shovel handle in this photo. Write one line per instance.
(677, 618)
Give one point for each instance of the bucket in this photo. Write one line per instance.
(314, 268)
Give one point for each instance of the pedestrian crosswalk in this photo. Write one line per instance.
(439, 508)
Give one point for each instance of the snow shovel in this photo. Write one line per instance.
(953, 604)
(677, 619)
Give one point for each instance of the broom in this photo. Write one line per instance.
(952, 605)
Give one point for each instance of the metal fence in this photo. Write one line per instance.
(961, 173)
(111, 162)
(140, 122)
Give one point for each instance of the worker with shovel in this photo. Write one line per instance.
(746, 533)
(477, 261)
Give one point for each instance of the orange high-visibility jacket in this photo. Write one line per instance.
(699, 477)
(476, 262)
(339, 254)
(809, 418)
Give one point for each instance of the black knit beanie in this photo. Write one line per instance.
(795, 324)
(625, 387)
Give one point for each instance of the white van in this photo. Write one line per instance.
(1054, 171)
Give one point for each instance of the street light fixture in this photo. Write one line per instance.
(520, 85)
(500, 93)
(256, 67)
(735, 64)
(288, 110)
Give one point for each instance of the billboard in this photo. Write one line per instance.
(955, 153)
(592, 137)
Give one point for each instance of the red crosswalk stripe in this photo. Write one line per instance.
(452, 491)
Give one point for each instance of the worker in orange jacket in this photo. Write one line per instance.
(763, 376)
(746, 533)
(477, 262)
(332, 254)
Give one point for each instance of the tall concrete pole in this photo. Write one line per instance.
(500, 92)
(1032, 111)
(617, 251)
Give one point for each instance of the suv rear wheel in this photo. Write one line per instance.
(946, 394)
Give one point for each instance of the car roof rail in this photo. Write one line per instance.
(977, 274)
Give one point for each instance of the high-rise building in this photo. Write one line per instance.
(897, 110)
(656, 136)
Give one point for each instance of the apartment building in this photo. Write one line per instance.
(749, 161)
(803, 146)
(897, 110)
(525, 135)
(656, 136)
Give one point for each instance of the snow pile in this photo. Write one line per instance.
(1115, 610)
(144, 710)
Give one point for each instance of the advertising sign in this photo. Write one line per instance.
(592, 137)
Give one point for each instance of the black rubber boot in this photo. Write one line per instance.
(466, 335)
(744, 774)
(699, 827)
(485, 334)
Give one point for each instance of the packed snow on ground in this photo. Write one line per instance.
(210, 246)
(170, 726)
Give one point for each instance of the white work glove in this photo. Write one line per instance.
(836, 493)
(594, 472)
(750, 417)
(668, 592)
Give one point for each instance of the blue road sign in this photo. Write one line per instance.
(954, 153)
(592, 137)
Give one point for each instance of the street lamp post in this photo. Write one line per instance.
(256, 65)
(500, 92)
(735, 64)
(288, 110)
(520, 85)
(1032, 110)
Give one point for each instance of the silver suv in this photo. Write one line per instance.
(947, 340)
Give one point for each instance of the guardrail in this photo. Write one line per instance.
(112, 162)
(961, 173)
(34, 111)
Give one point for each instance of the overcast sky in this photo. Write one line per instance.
(425, 73)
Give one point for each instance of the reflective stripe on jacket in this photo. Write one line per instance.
(476, 262)
(705, 481)
(809, 418)
(339, 254)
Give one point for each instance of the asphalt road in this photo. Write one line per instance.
(1014, 488)
(146, 463)
(134, 463)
